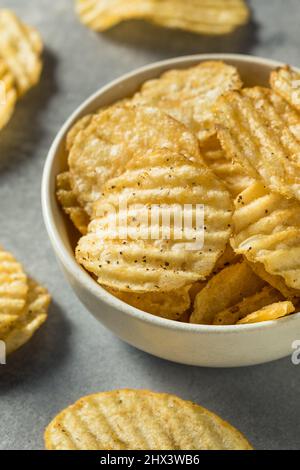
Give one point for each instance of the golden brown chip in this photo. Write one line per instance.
(20, 48)
(260, 130)
(267, 231)
(103, 149)
(270, 312)
(79, 126)
(140, 420)
(13, 290)
(171, 305)
(226, 289)
(203, 17)
(227, 170)
(70, 204)
(148, 249)
(33, 316)
(286, 82)
(275, 281)
(189, 95)
(247, 306)
(8, 94)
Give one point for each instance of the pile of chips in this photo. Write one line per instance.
(20, 62)
(192, 136)
(23, 304)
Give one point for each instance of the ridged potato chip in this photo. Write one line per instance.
(275, 281)
(8, 94)
(199, 16)
(141, 260)
(170, 305)
(286, 82)
(260, 130)
(230, 172)
(103, 149)
(270, 312)
(13, 290)
(20, 48)
(267, 231)
(189, 95)
(226, 289)
(33, 316)
(70, 204)
(140, 420)
(247, 306)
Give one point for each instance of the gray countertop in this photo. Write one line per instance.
(73, 355)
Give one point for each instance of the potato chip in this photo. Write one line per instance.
(228, 258)
(8, 95)
(275, 281)
(286, 82)
(170, 305)
(226, 289)
(13, 290)
(270, 312)
(149, 250)
(33, 316)
(20, 48)
(230, 172)
(261, 131)
(140, 420)
(247, 306)
(102, 150)
(79, 126)
(267, 231)
(189, 95)
(70, 204)
(203, 17)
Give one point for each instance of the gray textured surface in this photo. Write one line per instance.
(73, 355)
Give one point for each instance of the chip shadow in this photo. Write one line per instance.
(41, 356)
(18, 140)
(168, 42)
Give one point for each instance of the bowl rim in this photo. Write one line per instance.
(68, 261)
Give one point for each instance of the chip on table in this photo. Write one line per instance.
(140, 420)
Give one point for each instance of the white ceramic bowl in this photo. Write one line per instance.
(200, 345)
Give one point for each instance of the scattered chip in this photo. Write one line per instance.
(103, 149)
(33, 316)
(270, 312)
(275, 281)
(155, 190)
(260, 130)
(13, 290)
(189, 95)
(227, 170)
(140, 420)
(8, 94)
(228, 288)
(286, 82)
(267, 231)
(170, 305)
(203, 17)
(247, 306)
(20, 48)
(70, 204)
